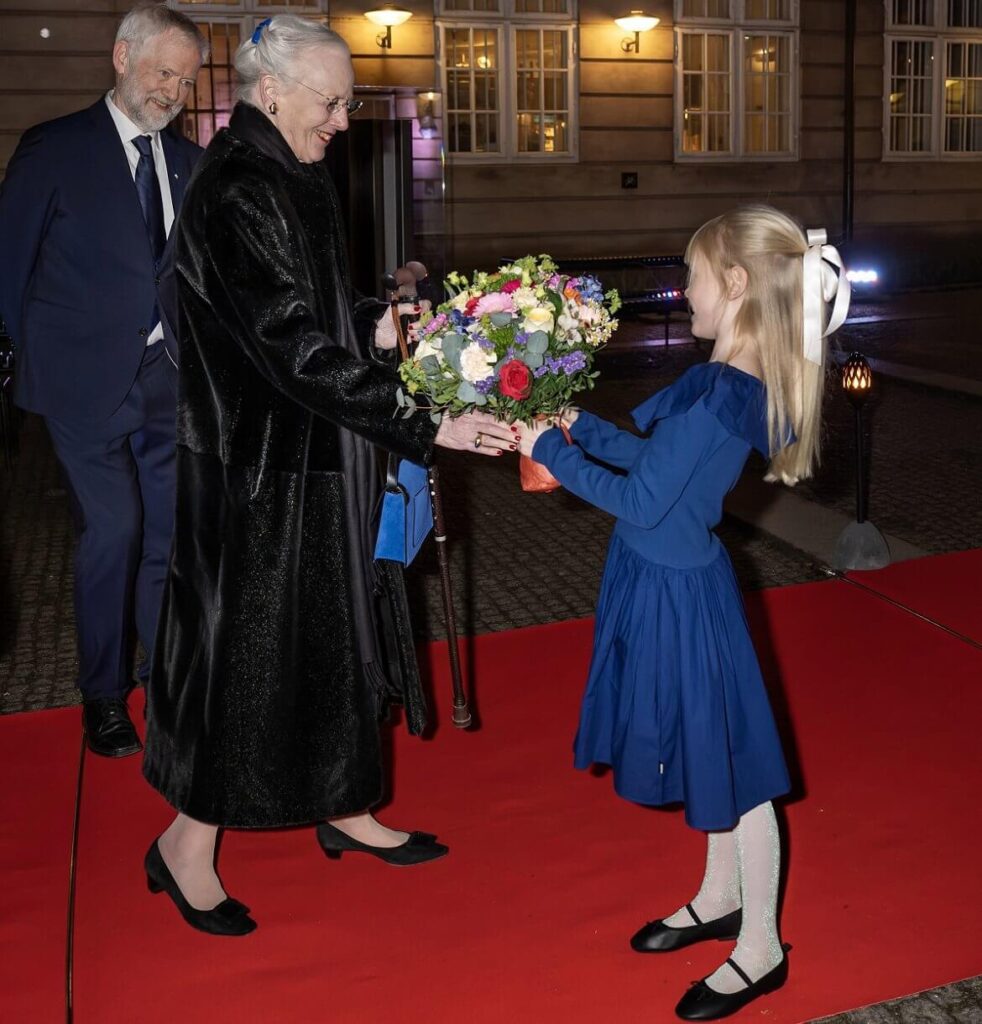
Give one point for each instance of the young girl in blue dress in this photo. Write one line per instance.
(675, 701)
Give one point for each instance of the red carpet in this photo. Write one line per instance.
(946, 588)
(528, 919)
(38, 771)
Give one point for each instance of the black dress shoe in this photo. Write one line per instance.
(703, 1003)
(658, 937)
(418, 848)
(230, 917)
(108, 728)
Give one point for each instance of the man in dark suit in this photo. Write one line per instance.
(85, 210)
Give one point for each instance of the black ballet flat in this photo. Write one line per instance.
(658, 937)
(230, 917)
(417, 849)
(703, 1003)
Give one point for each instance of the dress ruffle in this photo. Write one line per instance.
(737, 399)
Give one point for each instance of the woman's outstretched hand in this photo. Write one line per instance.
(478, 432)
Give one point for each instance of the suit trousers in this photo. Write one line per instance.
(121, 480)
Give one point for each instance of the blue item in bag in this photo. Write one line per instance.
(407, 515)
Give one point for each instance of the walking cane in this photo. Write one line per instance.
(397, 285)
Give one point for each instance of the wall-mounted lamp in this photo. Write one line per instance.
(387, 16)
(636, 22)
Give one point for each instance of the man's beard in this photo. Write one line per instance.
(145, 115)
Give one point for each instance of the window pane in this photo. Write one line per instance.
(692, 50)
(965, 13)
(210, 103)
(706, 9)
(472, 89)
(766, 92)
(768, 10)
(963, 97)
(542, 90)
(471, 5)
(705, 93)
(913, 12)
(911, 82)
(541, 7)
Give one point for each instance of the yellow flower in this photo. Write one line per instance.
(539, 319)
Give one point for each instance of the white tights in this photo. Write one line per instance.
(743, 868)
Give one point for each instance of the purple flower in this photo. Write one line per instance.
(484, 387)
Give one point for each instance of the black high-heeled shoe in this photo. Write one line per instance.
(704, 1003)
(658, 937)
(417, 849)
(230, 917)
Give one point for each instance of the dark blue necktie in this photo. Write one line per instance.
(148, 189)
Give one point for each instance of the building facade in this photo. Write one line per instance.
(544, 126)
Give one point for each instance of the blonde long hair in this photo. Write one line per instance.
(769, 246)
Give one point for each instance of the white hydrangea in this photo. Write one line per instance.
(476, 363)
(525, 298)
(429, 347)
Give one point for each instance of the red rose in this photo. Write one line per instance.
(471, 306)
(511, 286)
(515, 380)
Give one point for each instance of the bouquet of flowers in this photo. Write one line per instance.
(518, 342)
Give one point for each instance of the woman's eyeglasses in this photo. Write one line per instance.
(334, 104)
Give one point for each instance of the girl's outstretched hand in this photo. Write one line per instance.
(532, 434)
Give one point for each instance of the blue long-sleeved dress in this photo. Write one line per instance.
(674, 701)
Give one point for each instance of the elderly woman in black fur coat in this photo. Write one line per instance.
(280, 640)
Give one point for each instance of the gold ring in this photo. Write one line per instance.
(478, 441)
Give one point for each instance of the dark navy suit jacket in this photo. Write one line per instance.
(78, 284)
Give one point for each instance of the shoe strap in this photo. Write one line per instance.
(740, 971)
(692, 913)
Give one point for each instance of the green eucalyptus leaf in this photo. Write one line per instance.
(436, 416)
(466, 392)
(538, 343)
(501, 319)
(533, 360)
(430, 364)
(452, 344)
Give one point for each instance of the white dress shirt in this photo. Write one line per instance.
(128, 131)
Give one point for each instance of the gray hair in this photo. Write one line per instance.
(281, 43)
(149, 20)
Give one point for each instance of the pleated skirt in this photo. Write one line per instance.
(675, 701)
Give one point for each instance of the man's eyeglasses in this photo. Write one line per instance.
(334, 104)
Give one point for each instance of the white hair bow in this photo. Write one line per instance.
(823, 281)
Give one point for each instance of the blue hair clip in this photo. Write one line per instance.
(259, 30)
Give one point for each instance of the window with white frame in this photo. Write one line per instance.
(225, 23)
(933, 70)
(736, 85)
(508, 77)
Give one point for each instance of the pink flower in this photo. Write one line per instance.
(511, 286)
(496, 302)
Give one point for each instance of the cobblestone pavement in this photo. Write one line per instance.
(518, 559)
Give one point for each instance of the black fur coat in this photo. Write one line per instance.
(280, 640)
